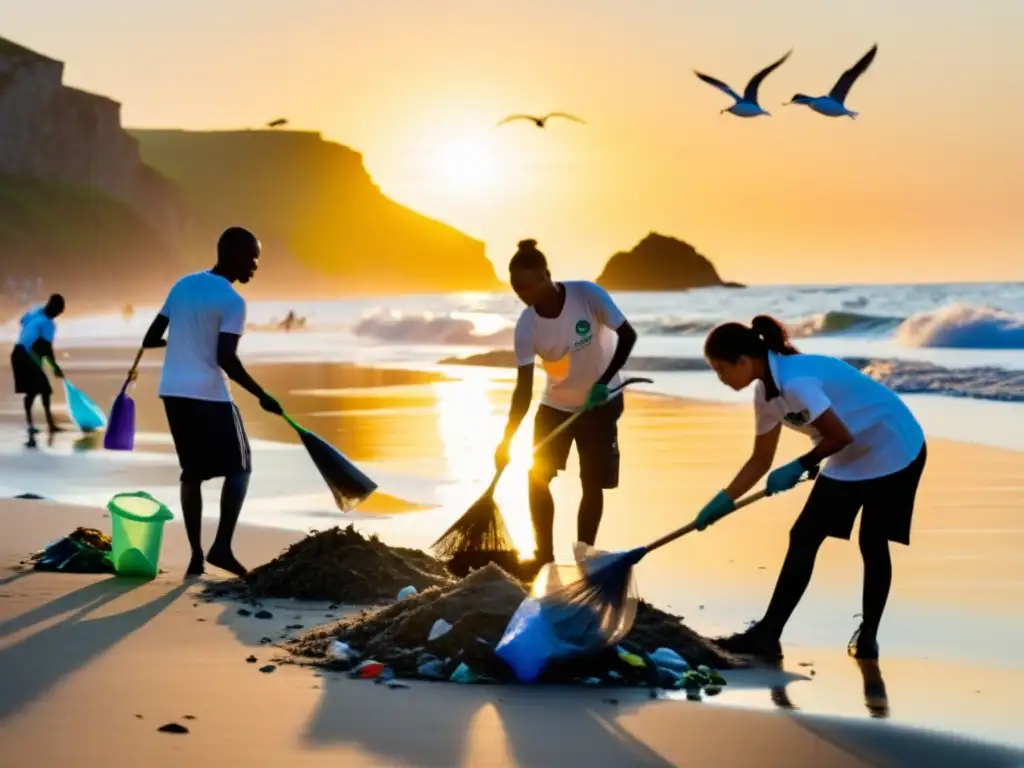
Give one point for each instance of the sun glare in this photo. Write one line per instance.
(468, 164)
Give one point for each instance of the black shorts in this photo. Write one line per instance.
(596, 434)
(887, 503)
(29, 377)
(209, 438)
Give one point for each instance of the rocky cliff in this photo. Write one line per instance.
(327, 228)
(659, 263)
(79, 212)
(108, 216)
(52, 132)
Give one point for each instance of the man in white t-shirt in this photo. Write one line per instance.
(35, 345)
(205, 317)
(583, 340)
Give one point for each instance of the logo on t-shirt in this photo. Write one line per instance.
(798, 419)
(582, 327)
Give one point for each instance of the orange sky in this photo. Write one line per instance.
(927, 185)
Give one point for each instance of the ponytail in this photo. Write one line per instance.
(731, 341)
(773, 334)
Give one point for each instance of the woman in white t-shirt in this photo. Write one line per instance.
(875, 451)
(583, 340)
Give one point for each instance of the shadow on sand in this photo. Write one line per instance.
(466, 724)
(30, 667)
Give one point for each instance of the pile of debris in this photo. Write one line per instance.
(341, 566)
(84, 550)
(450, 632)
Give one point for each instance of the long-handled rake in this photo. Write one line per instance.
(560, 620)
(480, 535)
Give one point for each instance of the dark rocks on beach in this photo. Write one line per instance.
(268, 668)
(244, 612)
(30, 497)
(252, 659)
(294, 626)
(264, 615)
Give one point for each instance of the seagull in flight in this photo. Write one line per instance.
(540, 122)
(745, 106)
(277, 123)
(832, 105)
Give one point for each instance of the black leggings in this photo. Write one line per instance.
(887, 507)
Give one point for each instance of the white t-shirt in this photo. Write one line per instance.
(36, 325)
(886, 436)
(199, 307)
(575, 347)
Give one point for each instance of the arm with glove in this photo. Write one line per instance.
(609, 315)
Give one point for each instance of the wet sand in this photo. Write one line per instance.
(953, 617)
(104, 662)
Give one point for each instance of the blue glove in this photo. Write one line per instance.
(784, 478)
(715, 510)
(598, 395)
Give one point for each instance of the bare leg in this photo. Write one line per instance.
(232, 497)
(192, 511)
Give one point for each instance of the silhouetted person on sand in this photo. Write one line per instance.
(34, 345)
(583, 340)
(875, 452)
(206, 317)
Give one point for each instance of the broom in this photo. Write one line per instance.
(585, 615)
(482, 528)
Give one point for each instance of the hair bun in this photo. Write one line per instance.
(528, 245)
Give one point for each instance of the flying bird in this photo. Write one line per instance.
(277, 123)
(540, 122)
(833, 105)
(745, 106)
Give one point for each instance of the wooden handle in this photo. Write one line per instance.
(690, 527)
(133, 370)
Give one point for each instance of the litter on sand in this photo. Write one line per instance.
(403, 640)
(84, 550)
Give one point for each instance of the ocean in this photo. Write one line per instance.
(954, 351)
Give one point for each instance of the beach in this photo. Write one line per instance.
(426, 436)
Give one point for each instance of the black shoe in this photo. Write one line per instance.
(862, 647)
(754, 642)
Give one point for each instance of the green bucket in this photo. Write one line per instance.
(137, 532)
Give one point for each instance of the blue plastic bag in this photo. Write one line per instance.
(86, 415)
(554, 623)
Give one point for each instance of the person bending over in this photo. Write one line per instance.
(583, 340)
(875, 451)
(34, 345)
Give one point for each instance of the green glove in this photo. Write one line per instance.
(598, 395)
(715, 510)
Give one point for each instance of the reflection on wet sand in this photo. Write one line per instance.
(876, 699)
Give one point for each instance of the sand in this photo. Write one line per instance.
(106, 662)
(83, 656)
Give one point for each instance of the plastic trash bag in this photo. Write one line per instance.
(564, 617)
(84, 550)
(85, 414)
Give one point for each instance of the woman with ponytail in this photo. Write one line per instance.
(875, 453)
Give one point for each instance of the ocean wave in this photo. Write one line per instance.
(429, 328)
(837, 321)
(963, 326)
(903, 376)
(823, 324)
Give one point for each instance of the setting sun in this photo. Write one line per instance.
(466, 164)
